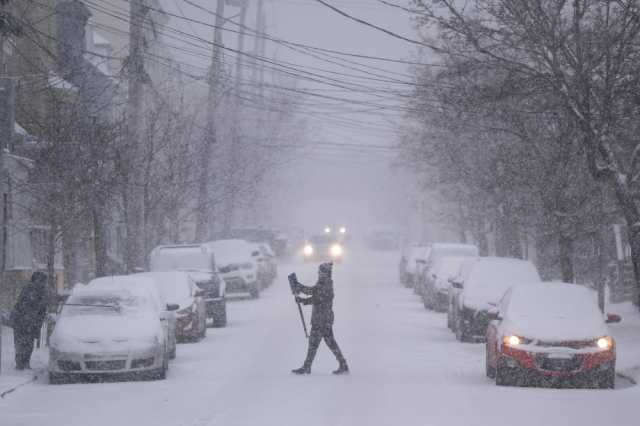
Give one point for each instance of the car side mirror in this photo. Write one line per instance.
(494, 314)
(456, 283)
(172, 307)
(613, 318)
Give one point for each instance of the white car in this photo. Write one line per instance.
(179, 288)
(432, 296)
(416, 260)
(238, 266)
(200, 262)
(480, 285)
(110, 328)
(550, 333)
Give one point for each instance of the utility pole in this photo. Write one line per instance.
(204, 217)
(134, 203)
(236, 139)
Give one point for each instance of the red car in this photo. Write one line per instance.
(550, 334)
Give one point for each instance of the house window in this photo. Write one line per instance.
(39, 239)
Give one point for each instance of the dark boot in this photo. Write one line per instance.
(343, 369)
(302, 370)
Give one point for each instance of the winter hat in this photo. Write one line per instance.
(326, 268)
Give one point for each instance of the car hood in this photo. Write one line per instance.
(556, 329)
(106, 331)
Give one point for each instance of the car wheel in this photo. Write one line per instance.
(505, 376)
(489, 370)
(220, 314)
(255, 291)
(57, 378)
(607, 379)
(462, 334)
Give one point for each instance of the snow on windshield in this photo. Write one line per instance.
(174, 287)
(490, 278)
(227, 251)
(173, 258)
(559, 300)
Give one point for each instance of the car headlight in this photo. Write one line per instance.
(336, 250)
(604, 342)
(513, 340)
(308, 250)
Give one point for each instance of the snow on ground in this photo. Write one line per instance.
(407, 369)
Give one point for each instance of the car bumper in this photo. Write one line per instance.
(474, 322)
(547, 366)
(187, 327)
(441, 302)
(103, 363)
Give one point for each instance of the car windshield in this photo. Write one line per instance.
(174, 289)
(489, 279)
(171, 259)
(560, 301)
(100, 305)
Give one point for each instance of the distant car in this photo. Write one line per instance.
(323, 247)
(269, 262)
(436, 297)
(238, 266)
(200, 262)
(276, 240)
(179, 288)
(550, 333)
(115, 329)
(480, 285)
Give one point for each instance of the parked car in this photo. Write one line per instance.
(433, 297)
(481, 283)
(550, 333)
(179, 288)
(323, 247)
(199, 260)
(112, 326)
(269, 262)
(444, 269)
(416, 261)
(238, 266)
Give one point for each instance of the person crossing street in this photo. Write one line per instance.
(322, 318)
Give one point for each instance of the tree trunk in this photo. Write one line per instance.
(99, 240)
(566, 246)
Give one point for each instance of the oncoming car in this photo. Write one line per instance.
(110, 330)
(323, 247)
(550, 333)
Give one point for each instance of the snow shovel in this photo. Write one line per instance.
(292, 283)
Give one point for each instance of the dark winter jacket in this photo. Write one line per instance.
(322, 301)
(30, 309)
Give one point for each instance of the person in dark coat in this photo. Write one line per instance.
(321, 297)
(27, 318)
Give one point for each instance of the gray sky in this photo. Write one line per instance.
(332, 184)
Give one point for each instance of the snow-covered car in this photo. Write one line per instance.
(179, 288)
(550, 333)
(113, 328)
(323, 247)
(436, 297)
(267, 260)
(237, 265)
(444, 269)
(416, 261)
(199, 260)
(480, 285)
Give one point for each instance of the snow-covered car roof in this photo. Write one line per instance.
(174, 286)
(486, 279)
(181, 256)
(554, 311)
(231, 251)
(439, 250)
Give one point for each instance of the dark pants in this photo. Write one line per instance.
(316, 336)
(23, 343)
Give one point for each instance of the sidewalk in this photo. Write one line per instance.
(627, 335)
(10, 378)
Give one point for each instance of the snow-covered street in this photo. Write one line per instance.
(407, 369)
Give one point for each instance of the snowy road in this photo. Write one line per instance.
(407, 369)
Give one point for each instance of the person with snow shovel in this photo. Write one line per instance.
(322, 317)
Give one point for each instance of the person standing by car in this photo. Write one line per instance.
(27, 317)
(322, 317)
